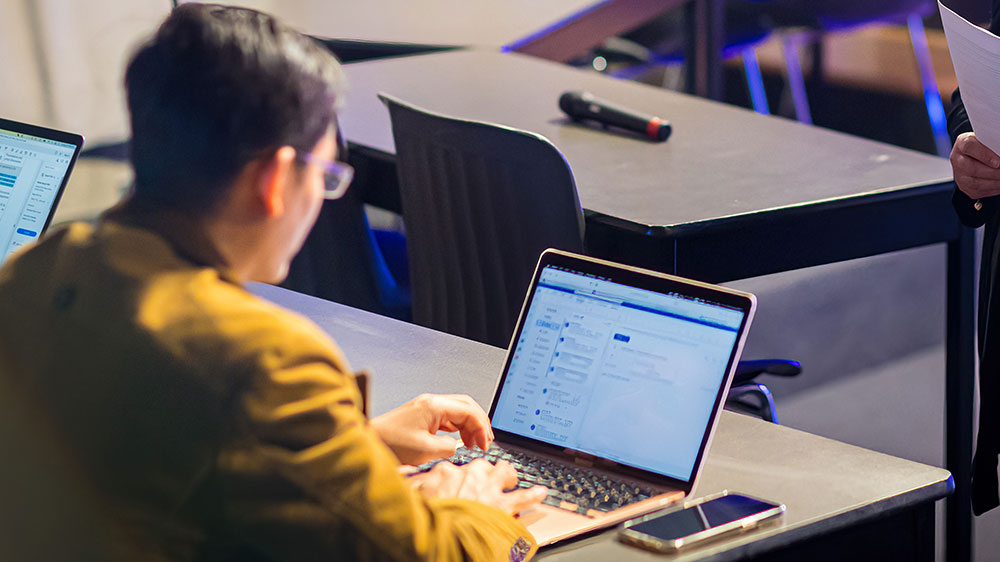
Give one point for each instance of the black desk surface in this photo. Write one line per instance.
(826, 485)
(720, 161)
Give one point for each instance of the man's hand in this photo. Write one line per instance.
(976, 168)
(410, 430)
(481, 481)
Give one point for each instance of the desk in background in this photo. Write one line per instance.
(557, 30)
(731, 195)
(725, 170)
(842, 500)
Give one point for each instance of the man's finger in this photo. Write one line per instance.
(483, 422)
(462, 414)
(520, 500)
(964, 165)
(481, 467)
(476, 437)
(426, 481)
(473, 434)
(506, 473)
(437, 447)
(972, 147)
(449, 479)
(482, 413)
(442, 445)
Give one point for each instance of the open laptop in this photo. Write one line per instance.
(613, 384)
(35, 164)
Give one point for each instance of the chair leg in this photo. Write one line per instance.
(673, 77)
(633, 72)
(797, 85)
(762, 404)
(755, 81)
(932, 95)
(768, 410)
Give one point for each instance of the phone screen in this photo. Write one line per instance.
(700, 517)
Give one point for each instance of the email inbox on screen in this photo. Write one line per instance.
(617, 371)
(31, 172)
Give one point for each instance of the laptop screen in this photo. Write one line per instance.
(32, 173)
(617, 371)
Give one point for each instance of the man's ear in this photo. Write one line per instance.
(274, 180)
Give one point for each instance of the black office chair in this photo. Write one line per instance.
(344, 260)
(748, 396)
(480, 204)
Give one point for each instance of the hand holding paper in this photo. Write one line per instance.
(976, 167)
(975, 54)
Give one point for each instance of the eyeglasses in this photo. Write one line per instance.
(337, 175)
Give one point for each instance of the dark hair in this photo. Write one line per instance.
(215, 88)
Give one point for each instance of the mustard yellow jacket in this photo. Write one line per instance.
(213, 425)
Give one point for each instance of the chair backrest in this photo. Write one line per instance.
(480, 203)
(341, 261)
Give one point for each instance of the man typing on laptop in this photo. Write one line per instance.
(612, 389)
(214, 425)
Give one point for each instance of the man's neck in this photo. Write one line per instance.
(237, 242)
(206, 240)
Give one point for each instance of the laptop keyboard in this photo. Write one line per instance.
(570, 487)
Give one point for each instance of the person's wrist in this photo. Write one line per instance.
(379, 426)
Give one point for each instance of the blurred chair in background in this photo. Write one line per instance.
(748, 396)
(660, 43)
(344, 260)
(798, 23)
(805, 21)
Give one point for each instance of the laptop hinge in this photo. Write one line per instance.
(581, 458)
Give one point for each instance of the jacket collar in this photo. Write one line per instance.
(184, 234)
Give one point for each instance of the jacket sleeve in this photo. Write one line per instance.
(312, 477)
(968, 214)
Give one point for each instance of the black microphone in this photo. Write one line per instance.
(582, 105)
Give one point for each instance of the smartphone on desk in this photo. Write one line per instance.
(700, 520)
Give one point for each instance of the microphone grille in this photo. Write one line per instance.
(568, 102)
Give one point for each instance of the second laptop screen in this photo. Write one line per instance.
(618, 372)
(31, 172)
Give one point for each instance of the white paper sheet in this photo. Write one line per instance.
(975, 54)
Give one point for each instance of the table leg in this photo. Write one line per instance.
(960, 387)
(704, 38)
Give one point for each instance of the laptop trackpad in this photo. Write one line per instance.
(549, 524)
